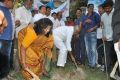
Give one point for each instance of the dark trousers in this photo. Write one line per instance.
(11, 55)
(110, 55)
(5, 50)
(79, 48)
(100, 50)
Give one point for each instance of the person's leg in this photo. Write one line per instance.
(77, 50)
(83, 49)
(88, 48)
(100, 51)
(11, 55)
(117, 52)
(93, 48)
(108, 56)
(62, 56)
(6, 50)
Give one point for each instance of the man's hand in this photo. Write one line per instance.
(88, 21)
(17, 23)
(90, 30)
(119, 44)
(104, 38)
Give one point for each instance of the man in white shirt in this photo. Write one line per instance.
(48, 13)
(41, 14)
(23, 15)
(59, 17)
(106, 19)
(62, 40)
(56, 22)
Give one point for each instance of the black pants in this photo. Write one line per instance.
(5, 51)
(100, 50)
(79, 49)
(11, 55)
(110, 55)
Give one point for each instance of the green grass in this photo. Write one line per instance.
(92, 74)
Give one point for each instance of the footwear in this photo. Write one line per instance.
(102, 68)
(98, 66)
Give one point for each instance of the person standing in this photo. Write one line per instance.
(79, 42)
(23, 16)
(116, 35)
(116, 29)
(91, 22)
(106, 20)
(41, 13)
(6, 36)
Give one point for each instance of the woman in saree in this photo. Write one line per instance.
(34, 44)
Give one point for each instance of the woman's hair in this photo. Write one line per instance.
(42, 24)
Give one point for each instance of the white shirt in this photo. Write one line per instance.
(99, 33)
(57, 23)
(38, 16)
(62, 23)
(24, 16)
(107, 31)
(65, 34)
(50, 17)
(13, 32)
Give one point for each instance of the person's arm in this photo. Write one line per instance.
(29, 38)
(116, 22)
(23, 55)
(3, 22)
(97, 19)
(17, 17)
(35, 77)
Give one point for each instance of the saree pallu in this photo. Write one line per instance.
(38, 48)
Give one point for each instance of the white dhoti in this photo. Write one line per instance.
(117, 49)
(62, 56)
(62, 40)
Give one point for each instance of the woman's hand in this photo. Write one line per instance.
(35, 77)
(24, 66)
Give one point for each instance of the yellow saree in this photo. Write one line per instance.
(37, 49)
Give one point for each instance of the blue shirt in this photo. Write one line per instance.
(78, 20)
(95, 20)
(7, 34)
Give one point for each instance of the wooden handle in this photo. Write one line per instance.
(35, 77)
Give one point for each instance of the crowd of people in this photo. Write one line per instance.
(92, 38)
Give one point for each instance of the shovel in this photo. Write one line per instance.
(73, 59)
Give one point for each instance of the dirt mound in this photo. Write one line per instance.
(76, 74)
